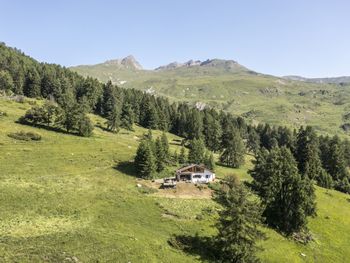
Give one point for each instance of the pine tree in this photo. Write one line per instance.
(336, 165)
(109, 100)
(70, 113)
(113, 120)
(288, 198)
(182, 156)
(85, 126)
(325, 180)
(196, 152)
(234, 149)
(160, 154)
(308, 157)
(127, 117)
(145, 160)
(209, 160)
(238, 226)
(6, 81)
(212, 130)
(195, 125)
(165, 145)
(175, 157)
(286, 138)
(50, 110)
(32, 83)
(253, 143)
(347, 152)
(149, 114)
(307, 148)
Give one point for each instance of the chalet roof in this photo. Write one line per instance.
(184, 168)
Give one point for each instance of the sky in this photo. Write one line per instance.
(310, 38)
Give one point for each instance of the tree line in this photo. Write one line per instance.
(321, 158)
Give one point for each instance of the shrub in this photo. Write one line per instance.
(85, 126)
(3, 114)
(25, 136)
(19, 99)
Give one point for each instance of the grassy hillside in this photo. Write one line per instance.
(257, 97)
(68, 198)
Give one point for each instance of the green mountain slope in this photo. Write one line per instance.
(66, 199)
(234, 88)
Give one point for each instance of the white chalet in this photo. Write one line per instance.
(195, 173)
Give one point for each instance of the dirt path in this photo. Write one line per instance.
(183, 190)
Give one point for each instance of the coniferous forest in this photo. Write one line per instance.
(71, 97)
(287, 162)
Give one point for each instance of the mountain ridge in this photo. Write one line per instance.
(329, 80)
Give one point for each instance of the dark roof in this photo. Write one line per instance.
(190, 166)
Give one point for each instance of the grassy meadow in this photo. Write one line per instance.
(257, 97)
(73, 199)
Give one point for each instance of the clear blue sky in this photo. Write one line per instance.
(280, 37)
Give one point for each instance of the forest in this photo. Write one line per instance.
(287, 162)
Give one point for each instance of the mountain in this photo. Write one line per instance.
(335, 80)
(232, 87)
(228, 65)
(129, 63)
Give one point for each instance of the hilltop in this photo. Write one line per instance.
(229, 86)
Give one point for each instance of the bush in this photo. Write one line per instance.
(25, 136)
(85, 126)
(3, 114)
(19, 99)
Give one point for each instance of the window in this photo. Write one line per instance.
(207, 176)
(197, 176)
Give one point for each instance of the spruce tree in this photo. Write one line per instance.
(336, 165)
(288, 198)
(212, 130)
(32, 83)
(85, 126)
(165, 145)
(195, 125)
(160, 154)
(145, 160)
(308, 157)
(127, 117)
(50, 111)
(6, 81)
(234, 149)
(347, 152)
(238, 225)
(113, 119)
(109, 99)
(196, 152)
(70, 113)
(149, 114)
(182, 156)
(176, 157)
(253, 143)
(209, 160)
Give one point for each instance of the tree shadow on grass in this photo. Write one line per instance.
(196, 246)
(45, 127)
(126, 168)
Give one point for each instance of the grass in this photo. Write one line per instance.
(294, 103)
(64, 197)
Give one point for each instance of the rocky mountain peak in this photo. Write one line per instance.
(128, 62)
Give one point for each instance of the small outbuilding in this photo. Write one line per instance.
(195, 173)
